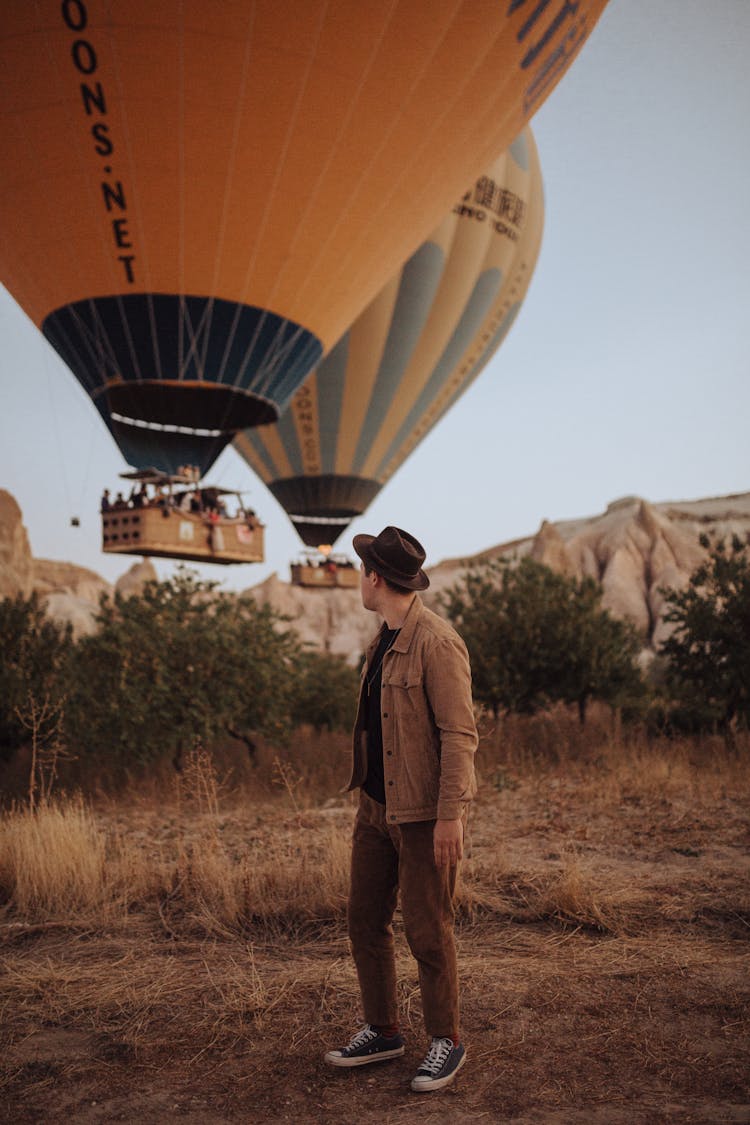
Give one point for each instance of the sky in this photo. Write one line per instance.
(626, 372)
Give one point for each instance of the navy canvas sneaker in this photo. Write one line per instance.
(441, 1065)
(367, 1046)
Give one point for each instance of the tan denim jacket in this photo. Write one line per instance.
(429, 733)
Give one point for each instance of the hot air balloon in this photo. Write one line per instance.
(198, 197)
(409, 355)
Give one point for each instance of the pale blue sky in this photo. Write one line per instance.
(625, 373)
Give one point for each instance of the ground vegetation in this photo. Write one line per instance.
(180, 951)
(708, 652)
(536, 637)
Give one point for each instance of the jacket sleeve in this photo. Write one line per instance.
(448, 689)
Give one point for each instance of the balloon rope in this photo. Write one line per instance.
(97, 344)
(94, 424)
(62, 474)
(129, 337)
(273, 357)
(204, 326)
(93, 421)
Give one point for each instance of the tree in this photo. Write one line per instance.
(535, 636)
(325, 693)
(599, 653)
(181, 663)
(34, 651)
(708, 652)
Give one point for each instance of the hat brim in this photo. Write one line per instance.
(362, 545)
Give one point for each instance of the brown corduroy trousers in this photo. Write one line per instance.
(385, 860)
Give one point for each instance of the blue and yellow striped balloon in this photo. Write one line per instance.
(407, 358)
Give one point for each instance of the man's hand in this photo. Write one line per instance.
(448, 842)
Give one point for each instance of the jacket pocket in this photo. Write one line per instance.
(408, 680)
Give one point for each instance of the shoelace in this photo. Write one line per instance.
(364, 1036)
(436, 1056)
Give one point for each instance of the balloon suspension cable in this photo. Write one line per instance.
(94, 434)
(63, 475)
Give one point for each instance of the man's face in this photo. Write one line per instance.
(366, 587)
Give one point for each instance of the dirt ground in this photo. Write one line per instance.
(603, 937)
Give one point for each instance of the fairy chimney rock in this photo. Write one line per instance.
(549, 548)
(15, 552)
(133, 581)
(329, 620)
(52, 577)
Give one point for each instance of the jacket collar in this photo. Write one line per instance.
(403, 640)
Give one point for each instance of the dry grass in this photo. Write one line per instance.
(53, 862)
(184, 953)
(277, 884)
(212, 859)
(62, 863)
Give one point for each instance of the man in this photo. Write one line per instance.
(414, 744)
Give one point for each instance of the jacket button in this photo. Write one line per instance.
(389, 753)
(393, 816)
(390, 783)
(385, 714)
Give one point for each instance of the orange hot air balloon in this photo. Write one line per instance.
(408, 357)
(198, 196)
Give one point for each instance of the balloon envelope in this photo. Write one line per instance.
(198, 196)
(408, 357)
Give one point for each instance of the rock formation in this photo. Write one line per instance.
(329, 620)
(67, 592)
(549, 549)
(132, 581)
(634, 549)
(15, 552)
(49, 577)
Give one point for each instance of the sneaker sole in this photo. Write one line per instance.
(362, 1060)
(427, 1085)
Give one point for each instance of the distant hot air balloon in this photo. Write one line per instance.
(197, 196)
(409, 355)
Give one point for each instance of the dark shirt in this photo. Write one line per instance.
(374, 784)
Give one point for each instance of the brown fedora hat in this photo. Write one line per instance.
(395, 555)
